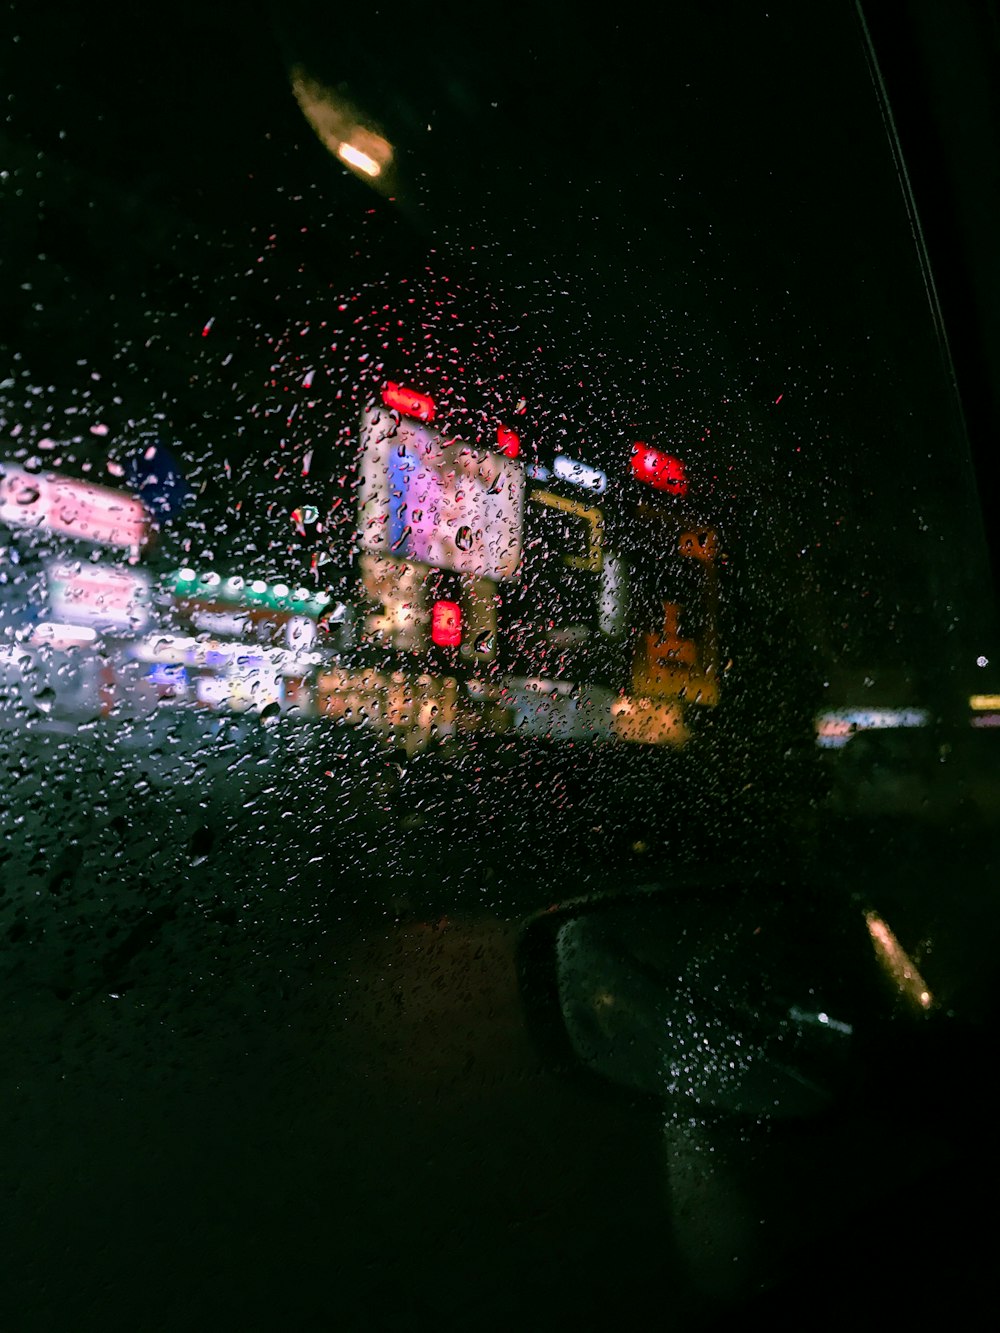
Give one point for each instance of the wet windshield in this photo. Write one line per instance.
(451, 469)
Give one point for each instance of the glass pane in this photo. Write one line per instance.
(453, 466)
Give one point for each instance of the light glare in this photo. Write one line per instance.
(354, 157)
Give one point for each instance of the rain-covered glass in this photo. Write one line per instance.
(498, 666)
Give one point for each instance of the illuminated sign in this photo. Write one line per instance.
(409, 402)
(984, 703)
(835, 727)
(210, 587)
(411, 710)
(99, 595)
(644, 721)
(662, 471)
(212, 690)
(594, 559)
(438, 501)
(558, 709)
(508, 441)
(68, 508)
(172, 677)
(446, 624)
(300, 633)
(220, 622)
(218, 654)
(580, 474)
(612, 606)
(49, 635)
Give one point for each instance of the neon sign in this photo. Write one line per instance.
(235, 591)
(439, 502)
(63, 506)
(594, 559)
(99, 595)
(409, 402)
(580, 474)
(836, 727)
(446, 624)
(662, 471)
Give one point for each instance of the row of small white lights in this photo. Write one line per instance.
(236, 583)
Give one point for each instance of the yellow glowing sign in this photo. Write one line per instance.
(594, 559)
(407, 710)
(667, 666)
(984, 703)
(648, 722)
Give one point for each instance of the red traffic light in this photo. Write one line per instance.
(662, 471)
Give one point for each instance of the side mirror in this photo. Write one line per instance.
(741, 999)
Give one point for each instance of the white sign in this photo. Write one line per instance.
(219, 622)
(99, 595)
(580, 474)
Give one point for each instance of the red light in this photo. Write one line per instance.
(409, 402)
(446, 624)
(662, 471)
(508, 441)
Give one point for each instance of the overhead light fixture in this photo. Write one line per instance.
(343, 129)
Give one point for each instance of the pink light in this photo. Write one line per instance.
(54, 503)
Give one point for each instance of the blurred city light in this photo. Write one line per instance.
(508, 441)
(655, 468)
(580, 474)
(408, 401)
(835, 727)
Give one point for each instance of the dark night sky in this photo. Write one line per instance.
(694, 218)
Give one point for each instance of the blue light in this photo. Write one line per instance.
(580, 474)
(163, 674)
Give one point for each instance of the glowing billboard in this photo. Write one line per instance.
(99, 595)
(580, 474)
(69, 508)
(438, 501)
(212, 588)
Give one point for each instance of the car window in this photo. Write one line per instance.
(457, 468)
